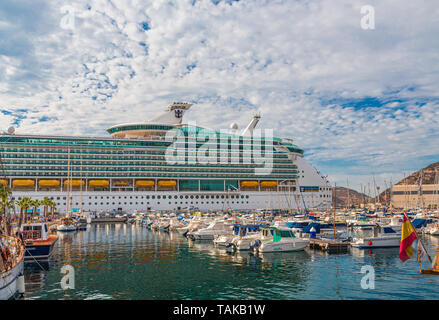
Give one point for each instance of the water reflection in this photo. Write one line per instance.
(122, 261)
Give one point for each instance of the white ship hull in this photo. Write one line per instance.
(131, 201)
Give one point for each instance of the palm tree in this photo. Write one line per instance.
(52, 206)
(35, 204)
(46, 202)
(5, 193)
(24, 204)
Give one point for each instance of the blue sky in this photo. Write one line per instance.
(361, 103)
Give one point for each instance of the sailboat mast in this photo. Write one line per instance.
(335, 205)
(80, 185)
(390, 195)
(349, 197)
(436, 182)
(68, 184)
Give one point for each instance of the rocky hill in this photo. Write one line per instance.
(346, 196)
(429, 175)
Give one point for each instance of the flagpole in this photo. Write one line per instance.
(417, 236)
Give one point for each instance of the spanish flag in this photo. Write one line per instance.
(408, 235)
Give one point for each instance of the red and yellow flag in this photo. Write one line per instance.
(408, 235)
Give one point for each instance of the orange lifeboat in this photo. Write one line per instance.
(145, 183)
(98, 183)
(23, 183)
(74, 183)
(48, 183)
(268, 184)
(166, 183)
(249, 184)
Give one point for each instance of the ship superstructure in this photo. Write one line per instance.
(163, 164)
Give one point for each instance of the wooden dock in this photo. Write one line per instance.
(328, 245)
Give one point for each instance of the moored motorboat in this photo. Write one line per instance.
(432, 229)
(279, 240)
(38, 243)
(244, 236)
(383, 237)
(217, 227)
(67, 225)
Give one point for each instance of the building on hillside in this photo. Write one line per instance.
(415, 196)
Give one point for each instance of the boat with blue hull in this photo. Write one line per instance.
(38, 243)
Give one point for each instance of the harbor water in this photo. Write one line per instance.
(123, 261)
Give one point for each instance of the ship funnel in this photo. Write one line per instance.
(248, 131)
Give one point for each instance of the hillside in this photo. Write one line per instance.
(346, 196)
(429, 178)
(429, 175)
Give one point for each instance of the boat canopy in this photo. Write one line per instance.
(297, 224)
(244, 228)
(418, 223)
(314, 225)
(388, 230)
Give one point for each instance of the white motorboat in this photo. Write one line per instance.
(244, 236)
(217, 227)
(67, 225)
(223, 240)
(432, 229)
(193, 225)
(395, 224)
(279, 240)
(383, 237)
(11, 266)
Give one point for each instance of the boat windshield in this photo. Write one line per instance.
(279, 234)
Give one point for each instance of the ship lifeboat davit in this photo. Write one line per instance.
(249, 184)
(48, 183)
(98, 183)
(145, 183)
(23, 183)
(121, 183)
(167, 183)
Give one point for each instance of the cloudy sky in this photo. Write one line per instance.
(361, 102)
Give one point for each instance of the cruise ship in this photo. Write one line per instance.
(163, 164)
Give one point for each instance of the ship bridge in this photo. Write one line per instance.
(157, 127)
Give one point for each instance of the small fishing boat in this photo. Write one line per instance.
(37, 241)
(279, 240)
(67, 225)
(11, 266)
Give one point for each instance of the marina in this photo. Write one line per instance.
(219, 158)
(129, 261)
(141, 206)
